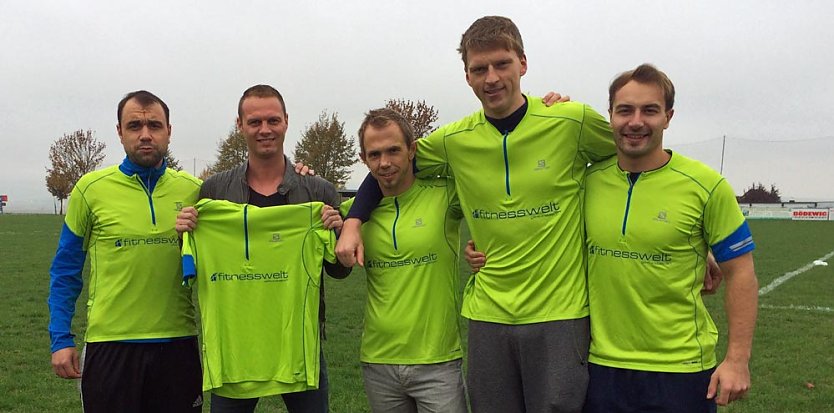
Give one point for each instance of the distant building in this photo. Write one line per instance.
(347, 193)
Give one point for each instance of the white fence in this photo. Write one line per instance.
(787, 211)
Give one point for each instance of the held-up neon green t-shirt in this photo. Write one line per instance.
(411, 261)
(134, 254)
(257, 278)
(520, 194)
(647, 243)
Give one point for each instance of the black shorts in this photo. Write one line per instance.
(142, 377)
(612, 390)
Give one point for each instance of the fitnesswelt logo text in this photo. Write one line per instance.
(139, 241)
(425, 259)
(546, 209)
(279, 276)
(630, 255)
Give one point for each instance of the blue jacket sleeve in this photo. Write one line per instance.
(367, 198)
(65, 287)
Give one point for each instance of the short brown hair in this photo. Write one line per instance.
(646, 74)
(260, 91)
(380, 118)
(491, 32)
(144, 99)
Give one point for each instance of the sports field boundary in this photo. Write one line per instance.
(811, 308)
(788, 275)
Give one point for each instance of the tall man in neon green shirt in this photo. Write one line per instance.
(651, 217)
(411, 351)
(518, 167)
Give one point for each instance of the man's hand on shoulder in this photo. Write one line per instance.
(304, 170)
(552, 98)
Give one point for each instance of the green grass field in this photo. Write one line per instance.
(792, 346)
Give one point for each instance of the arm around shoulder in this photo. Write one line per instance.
(596, 142)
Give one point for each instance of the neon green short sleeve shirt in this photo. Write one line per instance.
(411, 260)
(520, 194)
(257, 279)
(647, 244)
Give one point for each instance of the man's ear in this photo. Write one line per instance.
(669, 114)
(523, 60)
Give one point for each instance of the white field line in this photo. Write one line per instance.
(788, 275)
(814, 308)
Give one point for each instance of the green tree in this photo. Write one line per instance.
(325, 148)
(757, 193)
(231, 152)
(172, 162)
(70, 157)
(420, 114)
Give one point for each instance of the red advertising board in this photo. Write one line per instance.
(810, 214)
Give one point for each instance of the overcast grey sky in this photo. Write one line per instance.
(758, 72)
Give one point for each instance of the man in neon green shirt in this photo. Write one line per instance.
(141, 346)
(518, 167)
(411, 351)
(651, 218)
(266, 179)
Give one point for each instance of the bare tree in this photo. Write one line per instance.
(231, 152)
(325, 148)
(72, 156)
(205, 173)
(420, 114)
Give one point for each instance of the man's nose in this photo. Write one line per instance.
(145, 133)
(492, 75)
(636, 119)
(264, 129)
